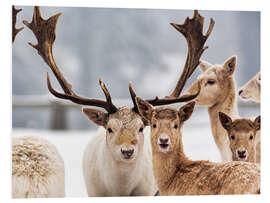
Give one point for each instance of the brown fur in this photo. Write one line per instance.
(175, 174)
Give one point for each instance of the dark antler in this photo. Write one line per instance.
(192, 29)
(15, 30)
(44, 30)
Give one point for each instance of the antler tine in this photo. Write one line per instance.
(44, 30)
(192, 29)
(15, 30)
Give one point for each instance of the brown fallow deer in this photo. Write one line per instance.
(175, 174)
(15, 30)
(242, 134)
(251, 91)
(117, 162)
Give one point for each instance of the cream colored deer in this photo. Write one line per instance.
(175, 174)
(217, 92)
(37, 169)
(242, 133)
(252, 89)
(117, 162)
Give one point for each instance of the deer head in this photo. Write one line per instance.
(252, 89)
(124, 126)
(214, 82)
(166, 124)
(242, 135)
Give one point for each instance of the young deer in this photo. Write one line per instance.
(252, 89)
(242, 134)
(217, 92)
(117, 161)
(175, 174)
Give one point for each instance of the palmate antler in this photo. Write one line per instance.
(44, 30)
(192, 29)
(15, 30)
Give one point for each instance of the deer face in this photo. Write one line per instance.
(166, 124)
(242, 136)
(214, 80)
(124, 132)
(252, 89)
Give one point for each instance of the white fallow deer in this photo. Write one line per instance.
(175, 174)
(218, 93)
(117, 162)
(252, 89)
(242, 133)
(37, 169)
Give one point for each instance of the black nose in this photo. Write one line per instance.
(240, 92)
(163, 141)
(241, 154)
(127, 152)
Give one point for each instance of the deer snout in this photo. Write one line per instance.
(127, 152)
(240, 92)
(163, 140)
(242, 154)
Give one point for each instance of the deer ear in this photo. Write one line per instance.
(229, 66)
(257, 123)
(204, 65)
(145, 109)
(225, 120)
(185, 111)
(98, 117)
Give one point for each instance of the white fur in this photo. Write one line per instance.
(106, 176)
(37, 169)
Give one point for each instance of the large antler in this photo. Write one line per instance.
(44, 30)
(192, 29)
(15, 30)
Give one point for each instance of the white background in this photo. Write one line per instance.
(210, 5)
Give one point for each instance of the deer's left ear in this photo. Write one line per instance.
(185, 111)
(257, 123)
(229, 66)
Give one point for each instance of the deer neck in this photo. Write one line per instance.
(228, 105)
(165, 166)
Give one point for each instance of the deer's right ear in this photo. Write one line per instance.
(204, 65)
(225, 120)
(97, 116)
(145, 109)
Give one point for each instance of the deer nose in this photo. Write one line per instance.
(240, 92)
(127, 153)
(163, 141)
(241, 153)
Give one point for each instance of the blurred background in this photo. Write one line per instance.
(121, 45)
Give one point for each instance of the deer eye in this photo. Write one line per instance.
(175, 126)
(210, 82)
(154, 125)
(232, 137)
(141, 130)
(251, 137)
(110, 130)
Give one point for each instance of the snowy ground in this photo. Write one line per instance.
(197, 140)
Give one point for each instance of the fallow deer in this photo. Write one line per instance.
(175, 174)
(117, 161)
(37, 169)
(252, 89)
(218, 93)
(242, 133)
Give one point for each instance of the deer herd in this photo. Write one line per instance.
(123, 159)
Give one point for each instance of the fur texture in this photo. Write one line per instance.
(37, 169)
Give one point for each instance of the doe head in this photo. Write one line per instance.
(242, 136)
(166, 124)
(214, 81)
(124, 131)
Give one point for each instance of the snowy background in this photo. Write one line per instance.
(123, 45)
